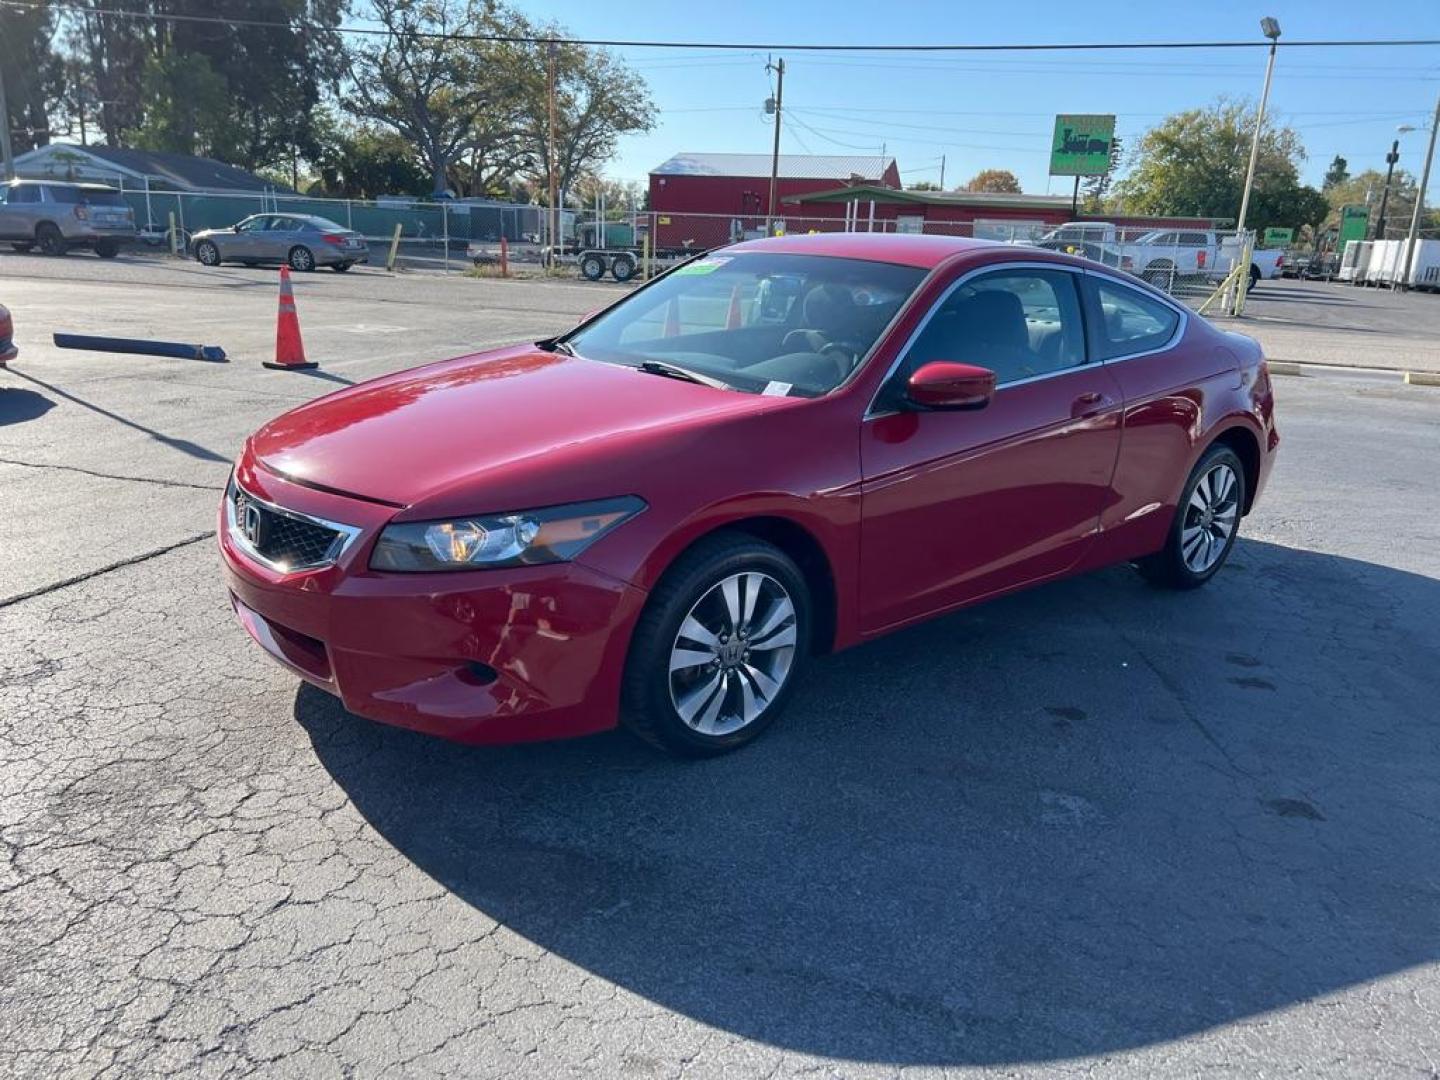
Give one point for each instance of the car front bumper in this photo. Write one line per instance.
(486, 656)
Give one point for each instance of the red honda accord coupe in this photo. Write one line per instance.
(786, 447)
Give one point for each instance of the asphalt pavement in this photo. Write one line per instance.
(1096, 829)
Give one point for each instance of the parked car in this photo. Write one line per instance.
(1165, 256)
(658, 516)
(57, 217)
(8, 351)
(303, 241)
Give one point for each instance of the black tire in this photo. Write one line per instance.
(23, 246)
(1161, 275)
(623, 268)
(592, 267)
(648, 704)
(1168, 566)
(207, 254)
(49, 239)
(340, 268)
(107, 249)
(301, 258)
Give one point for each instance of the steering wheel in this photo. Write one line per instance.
(844, 355)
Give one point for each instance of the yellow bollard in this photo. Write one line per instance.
(394, 249)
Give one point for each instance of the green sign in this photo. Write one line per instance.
(1354, 223)
(1275, 237)
(1081, 146)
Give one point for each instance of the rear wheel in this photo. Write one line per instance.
(341, 267)
(301, 258)
(49, 239)
(1206, 523)
(623, 268)
(207, 254)
(718, 648)
(592, 267)
(107, 249)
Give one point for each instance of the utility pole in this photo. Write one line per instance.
(550, 157)
(1390, 160)
(779, 69)
(1411, 237)
(942, 172)
(5, 153)
(1271, 29)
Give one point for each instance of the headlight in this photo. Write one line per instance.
(556, 534)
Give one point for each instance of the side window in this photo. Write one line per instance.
(282, 224)
(1017, 323)
(253, 224)
(1125, 321)
(24, 193)
(1165, 240)
(1194, 239)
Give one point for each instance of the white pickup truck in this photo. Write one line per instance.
(1167, 255)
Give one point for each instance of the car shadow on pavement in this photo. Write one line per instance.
(19, 405)
(185, 446)
(1081, 819)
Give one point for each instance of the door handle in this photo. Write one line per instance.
(1088, 404)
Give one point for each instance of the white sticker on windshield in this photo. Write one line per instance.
(776, 389)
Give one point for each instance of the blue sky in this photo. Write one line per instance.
(997, 110)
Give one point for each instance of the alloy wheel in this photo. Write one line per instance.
(733, 653)
(1210, 518)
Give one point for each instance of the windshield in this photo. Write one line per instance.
(760, 322)
(89, 197)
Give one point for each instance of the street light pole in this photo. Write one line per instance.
(555, 243)
(1410, 239)
(1271, 29)
(1390, 160)
(7, 158)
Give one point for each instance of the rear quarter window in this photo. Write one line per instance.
(1124, 321)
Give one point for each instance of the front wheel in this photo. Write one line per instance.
(718, 648)
(1206, 523)
(207, 254)
(592, 267)
(341, 267)
(107, 249)
(301, 258)
(49, 238)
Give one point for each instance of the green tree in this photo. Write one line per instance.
(1338, 173)
(362, 162)
(238, 91)
(1000, 181)
(32, 73)
(1194, 163)
(923, 185)
(1366, 188)
(1096, 188)
(431, 83)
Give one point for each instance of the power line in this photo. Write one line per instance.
(620, 43)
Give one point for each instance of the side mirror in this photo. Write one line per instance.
(234, 228)
(941, 384)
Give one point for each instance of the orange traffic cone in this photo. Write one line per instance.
(289, 349)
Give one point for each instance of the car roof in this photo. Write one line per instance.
(907, 249)
(82, 185)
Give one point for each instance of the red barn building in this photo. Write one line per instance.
(711, 199)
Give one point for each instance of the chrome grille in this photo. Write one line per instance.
(284, 539)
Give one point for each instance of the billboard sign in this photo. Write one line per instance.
(1081, 145)
(1277, 237)
(1354, 223)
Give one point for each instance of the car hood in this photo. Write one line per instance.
(474, 434)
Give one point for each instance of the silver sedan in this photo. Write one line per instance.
(303, 241)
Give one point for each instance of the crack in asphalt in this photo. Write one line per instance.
(118, 565)
(113, 476)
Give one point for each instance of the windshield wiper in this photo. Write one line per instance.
(556, 345)
(675, 371)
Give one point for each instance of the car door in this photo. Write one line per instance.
(961, 504)
(1165, 377)
(244, 241)
(20, 211)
